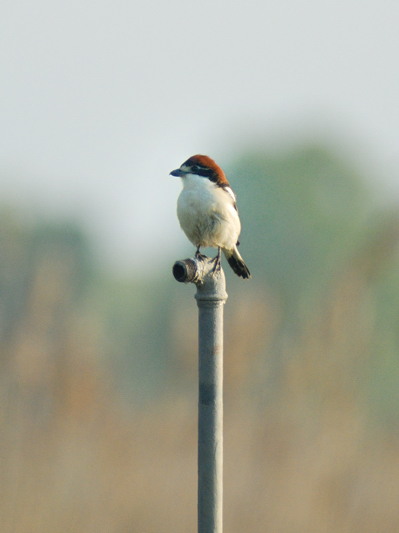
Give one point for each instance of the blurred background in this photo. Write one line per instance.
(298, 102)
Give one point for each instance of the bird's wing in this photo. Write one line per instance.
(230, 192)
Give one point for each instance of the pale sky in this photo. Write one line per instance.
(100, 100)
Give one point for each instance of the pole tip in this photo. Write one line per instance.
(211, 285)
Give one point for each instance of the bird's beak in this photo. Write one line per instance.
(178, 172)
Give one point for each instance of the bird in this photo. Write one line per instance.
(207, 211)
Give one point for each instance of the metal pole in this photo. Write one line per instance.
(211, 296)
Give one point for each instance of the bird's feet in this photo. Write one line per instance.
(199, 255)
(217, 263)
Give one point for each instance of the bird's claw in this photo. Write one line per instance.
(217, 265)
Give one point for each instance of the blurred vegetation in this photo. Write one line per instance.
(98, 374)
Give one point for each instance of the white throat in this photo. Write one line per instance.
(195, 182)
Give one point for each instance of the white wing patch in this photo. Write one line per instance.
(230, 191)
(232, 195)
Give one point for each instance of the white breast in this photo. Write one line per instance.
(207, 214)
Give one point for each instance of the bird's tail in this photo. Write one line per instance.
(237, 262)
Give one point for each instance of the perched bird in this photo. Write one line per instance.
(207, 211)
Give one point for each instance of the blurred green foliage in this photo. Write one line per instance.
(302, 213)
(308, 218)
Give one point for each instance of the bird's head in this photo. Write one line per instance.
(204, 166)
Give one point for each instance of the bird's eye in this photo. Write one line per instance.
(195, 168)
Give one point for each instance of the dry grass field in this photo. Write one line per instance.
(98, 390)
